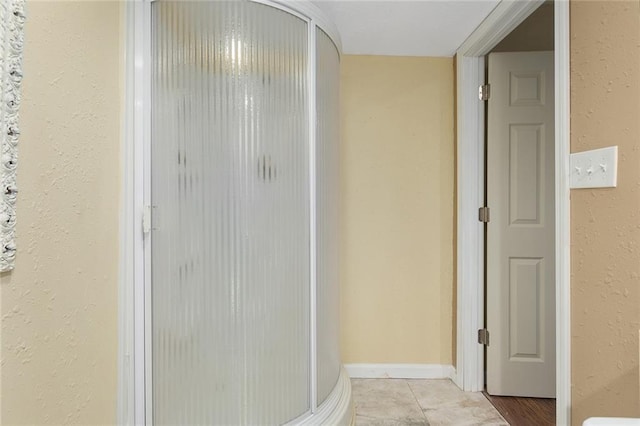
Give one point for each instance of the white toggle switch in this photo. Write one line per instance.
(601, 166)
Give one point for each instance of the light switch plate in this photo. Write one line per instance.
(597, 168)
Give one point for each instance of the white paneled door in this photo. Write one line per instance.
(520, 234)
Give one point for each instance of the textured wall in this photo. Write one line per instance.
(397, 209)
(605, 223)
(59, 305)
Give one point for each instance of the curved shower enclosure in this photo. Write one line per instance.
(243, 265)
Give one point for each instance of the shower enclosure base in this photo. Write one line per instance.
(337, 409)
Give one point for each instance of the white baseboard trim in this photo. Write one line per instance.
(400, 371)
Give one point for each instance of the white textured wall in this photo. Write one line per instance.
(59, 305)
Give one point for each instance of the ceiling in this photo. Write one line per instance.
(405, 27)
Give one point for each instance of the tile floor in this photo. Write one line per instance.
(395, 402)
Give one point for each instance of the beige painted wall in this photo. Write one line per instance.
(534, 33)
(397, 209)
(59, 305)
(605, 223)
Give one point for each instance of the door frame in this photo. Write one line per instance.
(470, 74)
(134, 196)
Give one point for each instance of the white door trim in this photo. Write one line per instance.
(563, 217)
(470, 189)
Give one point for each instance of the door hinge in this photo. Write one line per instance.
(146, 220)
(483, 336)
(484, 92)
(483, 214)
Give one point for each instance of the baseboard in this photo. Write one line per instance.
(400, 371)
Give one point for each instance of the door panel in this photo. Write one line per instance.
(525, 310)
(520, 235)
(525, 175)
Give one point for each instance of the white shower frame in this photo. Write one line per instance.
(134, 370)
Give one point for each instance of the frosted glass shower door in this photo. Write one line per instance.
(230, 195)
(327, 160)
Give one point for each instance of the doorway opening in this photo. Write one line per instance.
(519, 233)
(470, 59)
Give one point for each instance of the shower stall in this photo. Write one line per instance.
(241, 244)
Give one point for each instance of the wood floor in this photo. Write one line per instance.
(525, 411)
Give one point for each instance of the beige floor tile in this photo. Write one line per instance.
(466, 416)
(385, 402)
(436, 393)
(398, 402)
(368, 421)
(443, 403)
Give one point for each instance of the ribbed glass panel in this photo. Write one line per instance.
(230, 190)
(327, 158)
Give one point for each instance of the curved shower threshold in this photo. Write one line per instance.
(337, 409)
